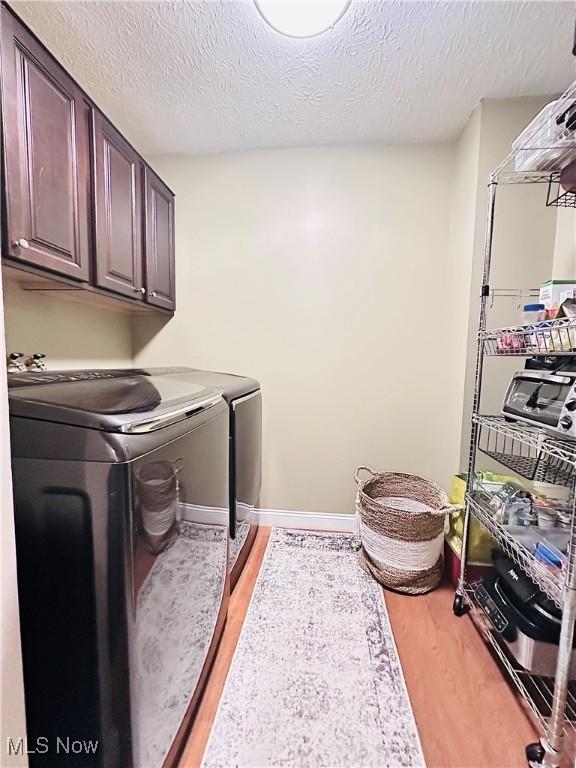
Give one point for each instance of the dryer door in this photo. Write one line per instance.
(247, 465)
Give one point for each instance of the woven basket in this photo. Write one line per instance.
(401, 526)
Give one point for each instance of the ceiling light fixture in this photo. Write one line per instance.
(301, 18)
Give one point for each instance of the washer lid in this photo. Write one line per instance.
(231, 385)
(128, 400)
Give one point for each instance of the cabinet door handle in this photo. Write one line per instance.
(139, 290)
(152, 294)
(21, 243)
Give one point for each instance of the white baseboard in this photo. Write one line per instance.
(312, 521)
(195, 513)
(281, 518)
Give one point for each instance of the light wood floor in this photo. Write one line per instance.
(467, 715)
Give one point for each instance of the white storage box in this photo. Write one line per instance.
(553, 292)
(544, 145)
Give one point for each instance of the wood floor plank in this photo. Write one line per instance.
(467, 715)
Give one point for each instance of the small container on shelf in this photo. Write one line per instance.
(512, 500)
(560, 509)
(533, 314)
(520, 513)
(534, 318)
(510, 343)
(547, 553)
(547, 517)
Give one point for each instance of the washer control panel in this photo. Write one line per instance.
(60, 377)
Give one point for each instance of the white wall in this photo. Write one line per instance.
(322, 273)
(346, 280)
(463, 234)
(72, 335)
(12, 717)
(564, 267)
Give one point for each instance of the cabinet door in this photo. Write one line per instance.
(46, 155)
(159, 242)
(118, 211)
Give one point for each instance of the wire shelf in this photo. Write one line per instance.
(558, 197)
(536, 692)
(509, 176)
(528, 451)
(548, 581)
(550, 338)
(540, 468)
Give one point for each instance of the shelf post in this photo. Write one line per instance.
(553, 742)
(459, 604)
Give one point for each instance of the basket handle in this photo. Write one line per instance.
(449, 509)
(365, 469)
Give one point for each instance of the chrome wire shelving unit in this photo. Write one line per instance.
(540, 156)
(537, 692)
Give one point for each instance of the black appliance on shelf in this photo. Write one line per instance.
(544, 399)
(523, 616)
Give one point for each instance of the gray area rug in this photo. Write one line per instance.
(315, 681)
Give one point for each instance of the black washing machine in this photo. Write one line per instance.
(245, 407)
(123, 583)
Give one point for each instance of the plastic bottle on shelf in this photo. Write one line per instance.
(533, 313)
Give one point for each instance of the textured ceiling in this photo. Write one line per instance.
(205, 76)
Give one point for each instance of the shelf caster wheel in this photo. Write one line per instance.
(458, 606)
(535, 753)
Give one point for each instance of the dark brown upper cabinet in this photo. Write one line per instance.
(117, 196)
(46, 151)
(84, 214)
(159, 242)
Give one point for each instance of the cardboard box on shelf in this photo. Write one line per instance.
(553, 292)
(474, 570)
